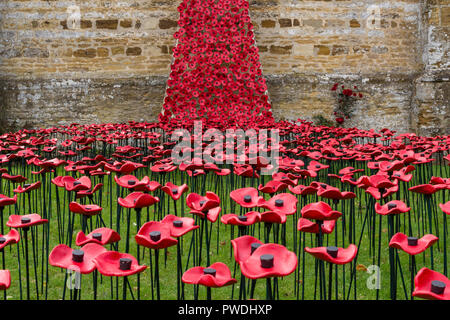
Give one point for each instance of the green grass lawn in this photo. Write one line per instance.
(220, 240)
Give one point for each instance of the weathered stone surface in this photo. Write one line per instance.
(107, 24)
(399, 59)
(134, 51)
(268, 23)
(39, 103)
(167, 24)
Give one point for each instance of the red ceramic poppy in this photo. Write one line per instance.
(151, 186)
(137, 200)
(14, 178)
(100, 236)
(80, 260)
(353, 181)
(426, 189)
(444, 182)
(5, 279)
(13, 236)
(317, 166)
(131, 182)
(179, 226)
(87, 210)
(123, 168)
(392, 207)
(269, 260)
(243, 247)
(6, 201)
(400, 175)
(379, 182)
(25, 221)
(391, 166)
(285, 203)
(349, 171)
(273, 217)
(335, 194)
(245, 171)
(174, 191)
(223, 172)
(202, 203)
(375, 192)
(246, 197)
(412, 245)
(58, 181)
(28, 187)
(303, 190)
(333, 254)
(319, 211)
(244, 220)
(285, 178)
(432, 285)
(155, 235)
(211, 214)
(305, 173)
(116, 264)
(50, 164)
(89, 192)
(72, 184)
(273, 186)
(195, 173)
(305, 225)
(215, 276)
(288, 162)
(445, 207)
(163, 168)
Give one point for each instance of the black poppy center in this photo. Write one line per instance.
(76, 183)
(242, 218)
(412, 241)
(155, 235)
(178, 223)
(202, 202)
(437, 287)
(317, 166)
(279, 203)
(247, 198)
(26, 185)
(97, 236)
(210, 271)
(332, 251)
(2, 239)
(174, 191)
(254, 246)
(77, 255)
(25, 220)
(266, 260)
(131, 182)
(125, 264)
(392, 206)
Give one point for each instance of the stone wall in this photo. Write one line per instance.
(113, 66)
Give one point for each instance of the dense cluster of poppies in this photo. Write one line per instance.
(216, 73)
(108, 199)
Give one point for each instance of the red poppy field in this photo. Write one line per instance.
(104, 212)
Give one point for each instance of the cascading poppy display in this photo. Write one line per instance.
(342, 196)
